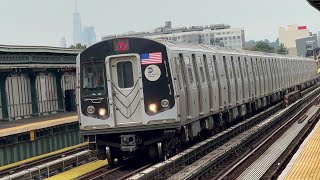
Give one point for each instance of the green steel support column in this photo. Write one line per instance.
(34, 99)
(4, 99)
(59, 90)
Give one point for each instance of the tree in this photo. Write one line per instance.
(78, 46)
(282, 49)
(263, 47)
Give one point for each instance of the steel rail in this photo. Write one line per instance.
(54, 167)
(122, 171)
(233, 171)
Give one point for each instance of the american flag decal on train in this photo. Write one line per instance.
(151, 58)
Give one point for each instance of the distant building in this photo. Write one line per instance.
(85, 36)
(217, 35)
(63, 42)
(89, 35)
(289, 36)
(306, 47)
(318, 38)
(77, 28)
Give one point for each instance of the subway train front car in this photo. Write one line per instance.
(126, 98)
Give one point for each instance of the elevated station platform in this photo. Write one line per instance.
(34, 136)
(37, 85)
(8, 128)
(305, 164)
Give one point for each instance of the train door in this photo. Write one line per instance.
(212, 81)
(125, 89)
(270, 75)
(266, 75)
(237, 78)
(221, 81)
(244, 74)
(193, 96)
(261, 75)
(230, 81)
(256, 77)
(277, 66)
(203, 91)
(182, 87)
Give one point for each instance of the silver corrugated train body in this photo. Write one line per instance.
(148, 104)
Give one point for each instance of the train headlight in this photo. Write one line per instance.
(90, 109)
(102, 112)
(165, 103)
(153, 108)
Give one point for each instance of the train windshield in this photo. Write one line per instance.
(93, 80)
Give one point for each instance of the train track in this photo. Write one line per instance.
(233, 170)
(215, 151)
(50, 165)
(123, 171)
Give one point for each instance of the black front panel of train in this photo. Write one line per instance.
(155, 89)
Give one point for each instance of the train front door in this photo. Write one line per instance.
(125, 89)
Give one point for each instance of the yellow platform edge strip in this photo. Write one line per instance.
(41, 156)
(79, 171)
(307, 165)
(38, 125)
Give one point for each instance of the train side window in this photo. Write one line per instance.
(125, 74)
(187, 60)
(225, 67)
(212, 69)
(200, 61)
(237, 66)
(230, 68)
(190, 75)
(202, 74)
(244, 67)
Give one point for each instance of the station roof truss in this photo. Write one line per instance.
(37, 57)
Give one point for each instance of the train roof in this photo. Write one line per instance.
(181, 46)
(176, 46)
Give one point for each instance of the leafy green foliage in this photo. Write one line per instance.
(78, 46)
(282, 49)
(263, 47)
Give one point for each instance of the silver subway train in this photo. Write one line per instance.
(150, 96)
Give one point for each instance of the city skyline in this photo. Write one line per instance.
(45, 22)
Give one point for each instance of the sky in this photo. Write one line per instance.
(45, 22)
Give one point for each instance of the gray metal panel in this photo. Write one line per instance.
(192, 93)
(245, 79)
(237, 78)
(45, 49)
(18, 93)
(256, 76)
(213, 82)
(68, 81)
(47, 93)
(180, 85)
(266, 75)
(274, 73)
(222, 82)
(202, 84)
(251, 77)
(230, 81)
(261, 77)
(0, 107)
(278, 73)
